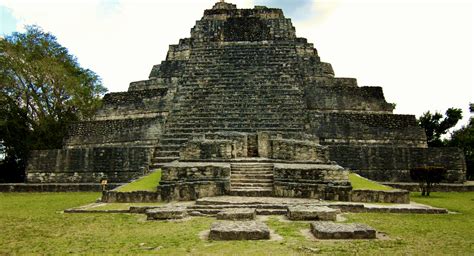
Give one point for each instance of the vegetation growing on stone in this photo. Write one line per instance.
(147, 183)
(359, 182)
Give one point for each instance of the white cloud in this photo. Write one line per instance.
(419, 51)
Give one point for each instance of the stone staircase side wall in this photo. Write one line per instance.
(87, 165)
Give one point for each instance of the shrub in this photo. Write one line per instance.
(427, 177)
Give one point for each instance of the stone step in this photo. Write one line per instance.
(167, 154)
(235, 185)
(232, 206)
(256, 175)
(164, 159)
(257, 169)
(252, 165)
(258, 192)
(168, 147)
(224, 119)
(252, 174)
(204, 130)
(237, 180)
(173, 141)
(232, 125)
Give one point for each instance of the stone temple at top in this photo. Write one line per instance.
(242, 92)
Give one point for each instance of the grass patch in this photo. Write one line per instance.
(145, 183)
(34, 224)
(359, 182)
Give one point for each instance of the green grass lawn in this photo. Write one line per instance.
(34, 224)
(359, 182)
(146, 183)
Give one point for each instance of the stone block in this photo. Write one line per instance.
(239, 230)
(323, 213)
(237, 214)
(331, 230)
(166, 213)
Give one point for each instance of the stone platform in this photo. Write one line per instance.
(239, 230)
(323, 213)
(331, 230)
(237, 214)
(166, 213)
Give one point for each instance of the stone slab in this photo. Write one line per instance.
(239, 230)
(322, 213)
(331, 230)
(166, 213)
(237, 214)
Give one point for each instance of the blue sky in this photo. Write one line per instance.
(298, 9)
(420, 51)
(7, 21)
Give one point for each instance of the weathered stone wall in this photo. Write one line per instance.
(329, 182)
(54, 187)
(154, 83)
(126, 132)
(378, 196)
(346, 99)
(394, 163)
(354, 129)
(297, 150)
(190, 181)
(133, 104)
(87, 165)
(207, 149)
(131, 197)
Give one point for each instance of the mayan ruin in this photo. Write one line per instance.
(244, 107)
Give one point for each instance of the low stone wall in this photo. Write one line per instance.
(443, 187)
(88, 165)
(185, 181)
(328, 182)
(131, 197)
(55, 187)
(393, 164)
(379, 196)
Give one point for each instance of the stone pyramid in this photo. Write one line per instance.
(243, 93)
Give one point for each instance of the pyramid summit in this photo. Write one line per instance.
(244, 107)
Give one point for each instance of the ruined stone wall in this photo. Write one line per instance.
(355, 128)
(346, 99)
(190, 181)
(385, 163)
(87, 165)
(328, 182)
(125, 133)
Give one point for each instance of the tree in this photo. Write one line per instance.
(43, 89)
(427, 177)
(435, 125)
(464, 139)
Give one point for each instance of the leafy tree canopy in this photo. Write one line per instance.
(42, 89)
(436, 124)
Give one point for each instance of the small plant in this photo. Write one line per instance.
(427, 177)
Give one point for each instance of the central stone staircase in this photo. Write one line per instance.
(241, 87)
(251, 179)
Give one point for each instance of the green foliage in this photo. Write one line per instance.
(34, 224)
(435, 125)
(145, 183)
(427, 177)
(464, 139)
(43, 89)
(359, 182)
